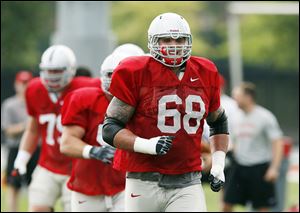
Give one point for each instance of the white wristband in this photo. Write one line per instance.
(86, 151)
(145, 146)
(21, 161)
(218, 158)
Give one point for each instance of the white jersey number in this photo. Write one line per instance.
(52, 121)
(163, 112)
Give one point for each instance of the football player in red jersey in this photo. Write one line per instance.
(95, 185)
(44, 99)
(156, 120)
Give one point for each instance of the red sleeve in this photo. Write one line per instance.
(73, 111)
(33, 87)
(215, 91)
(29, 107)
(124, 83)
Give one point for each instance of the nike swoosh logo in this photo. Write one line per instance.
(132, 195)
(80, 202)
(194, 79)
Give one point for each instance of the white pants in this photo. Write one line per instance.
(47, 187)
(86, 203)
(147, 196)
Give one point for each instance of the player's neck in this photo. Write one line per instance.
(179, 71)
(249, 107)
(175, 69)
(54, 96)
(21, 96)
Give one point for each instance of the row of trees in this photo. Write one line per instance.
(25, 31)
(267, 40)
(271, 41)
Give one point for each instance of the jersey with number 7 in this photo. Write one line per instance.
(47, 111)
(165, 105)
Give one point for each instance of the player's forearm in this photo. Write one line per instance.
(27, 146)
(72, 146)
(15, 129)
(114, 132)
(29, 141)
(219, 142)
(277, 153)
(219, 145)
(71, 141)
(125, 139)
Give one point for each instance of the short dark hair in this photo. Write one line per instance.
(249, 88)
(83, 71)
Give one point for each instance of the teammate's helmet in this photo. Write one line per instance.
(129, 49)
(112, 61)
(58, 67)
(170, 25)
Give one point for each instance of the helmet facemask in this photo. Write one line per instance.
(170, 26)
(58, 67)
(171, 55)
(56, 80)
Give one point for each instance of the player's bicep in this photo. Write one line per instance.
(32, 125)
(212, 116)
(120, 110)
(218, 122)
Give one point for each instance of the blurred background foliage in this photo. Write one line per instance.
(267, 40)
(270, 41)
(25, 31)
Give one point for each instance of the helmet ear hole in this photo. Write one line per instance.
(170, 25)
(58, 66)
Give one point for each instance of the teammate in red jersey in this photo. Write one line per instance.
(156, 119)
(44, 99)
(95, 185)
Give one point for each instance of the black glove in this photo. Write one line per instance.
(164, 144)
(103, 153)
(17, 178)
(215, 183)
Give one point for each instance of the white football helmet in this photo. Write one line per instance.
(129, 49)
(112, 61)
(58, 67)
(170, 25)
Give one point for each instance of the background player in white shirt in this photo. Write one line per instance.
(257, 140)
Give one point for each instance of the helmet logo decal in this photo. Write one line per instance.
(51, 55)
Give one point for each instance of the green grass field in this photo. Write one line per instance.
(212, 199)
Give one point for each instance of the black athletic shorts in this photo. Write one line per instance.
(247, 184)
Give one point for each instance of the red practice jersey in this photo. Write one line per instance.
(165, 105)
(47, 111)
(86, 108)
